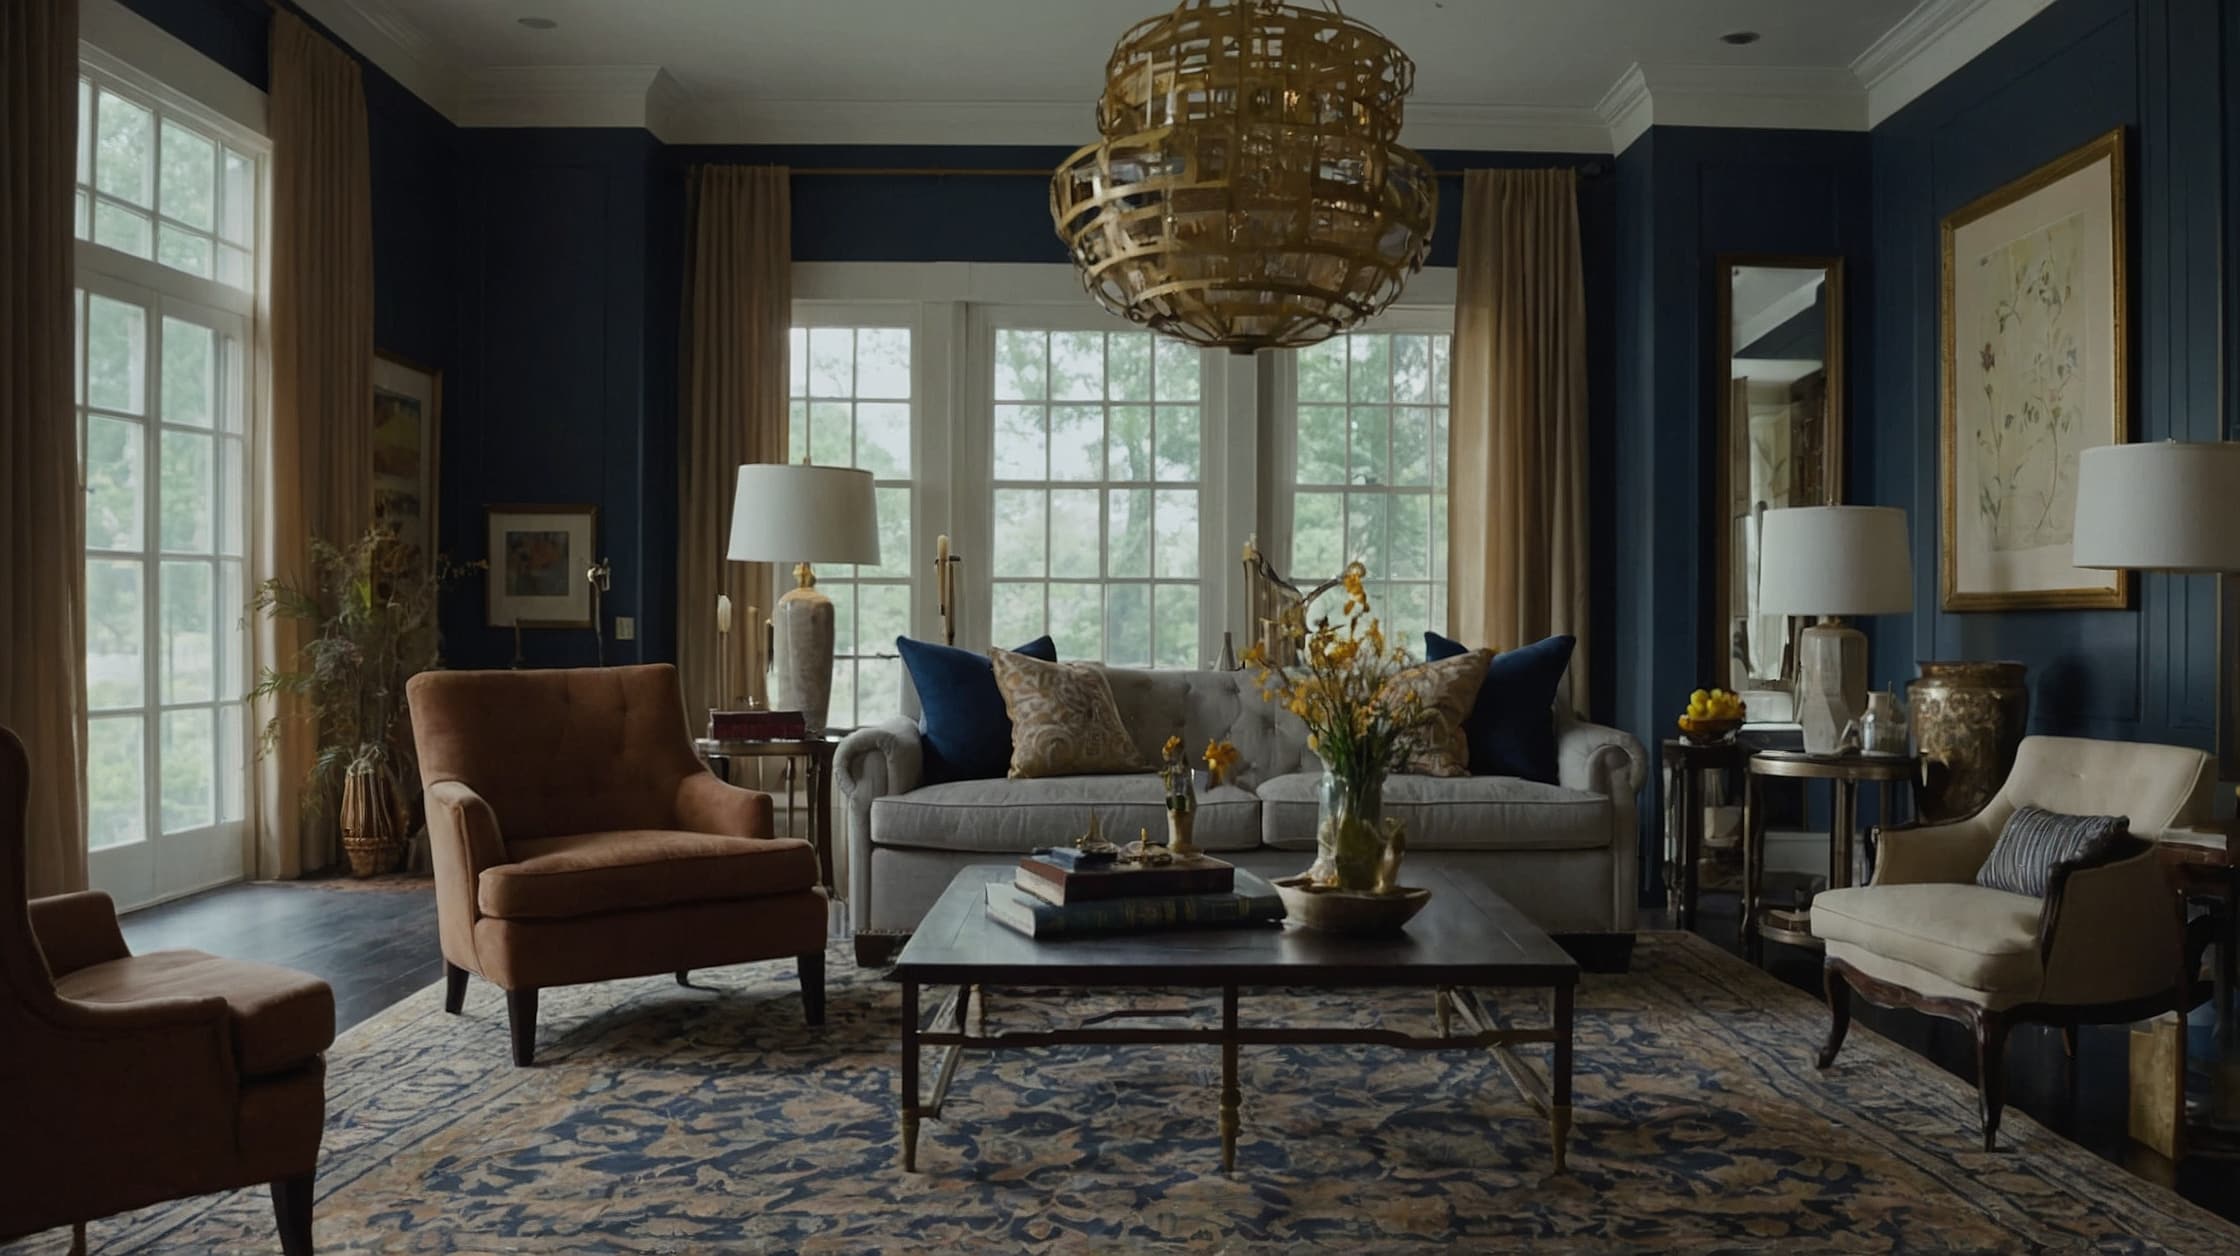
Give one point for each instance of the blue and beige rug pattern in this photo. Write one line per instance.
(661, 1119)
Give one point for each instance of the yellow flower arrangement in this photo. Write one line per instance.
(1220, 756)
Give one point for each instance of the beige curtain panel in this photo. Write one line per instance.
(42, 511)
(1517, 548)
(738, 315)
(316, 444)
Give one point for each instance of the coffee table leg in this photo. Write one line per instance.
(1446, 1012)
(1559, 1106)
(909, 1077)
(1229, 1095)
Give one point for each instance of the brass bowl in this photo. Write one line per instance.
(1711, 732)
(1349, 911)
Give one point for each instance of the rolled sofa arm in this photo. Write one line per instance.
(1610, 762)
(870, 763)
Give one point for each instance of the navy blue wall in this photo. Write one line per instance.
(2076, 71)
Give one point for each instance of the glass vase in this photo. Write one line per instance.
(1349, 829)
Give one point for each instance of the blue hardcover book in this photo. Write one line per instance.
(1074, 860)
(1253, 901)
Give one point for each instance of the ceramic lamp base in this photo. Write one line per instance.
(801, 656)
(1831, 683)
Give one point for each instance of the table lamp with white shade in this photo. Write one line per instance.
(803, 514)
(1831, 562)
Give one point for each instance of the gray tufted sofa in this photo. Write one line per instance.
(1564, 853)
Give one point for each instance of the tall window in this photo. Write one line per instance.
(851, 407)
(1371, 474)
(1096, 494)
(168, 213)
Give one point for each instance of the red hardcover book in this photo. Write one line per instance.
(1053, 884)
(756, 725)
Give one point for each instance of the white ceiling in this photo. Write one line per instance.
(1550, 74)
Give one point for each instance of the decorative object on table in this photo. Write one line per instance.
(538, 559)
(1221, 760)
(1511, 726)
(1249, 190)
(2104, 946)
(803, 514)
(1251, 902)
(1048, 878)
(1064, 721)
(1833, 561)
(1229, 661)
(945, 588)
(1275, 607)
(1331, 910)
(1882, 730)
(374, 609)
(1968, 721)
(1088, 850)
(1359, 724)
(599, 575)
(2035, 366)
(1712, 716)
(1181, 798)
(1780, 373)
(1145, 853)
(722, 696)
(757, 724)
(407, 439)
(964, 729)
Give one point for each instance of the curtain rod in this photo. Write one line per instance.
(1589, 170)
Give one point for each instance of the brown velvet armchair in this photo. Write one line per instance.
(131, 1079)
(577, 838)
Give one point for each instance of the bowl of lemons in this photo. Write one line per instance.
(1712, 716)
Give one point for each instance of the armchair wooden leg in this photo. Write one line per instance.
(521, 1018)
(77, 1238)
(1991, 1081)
(812, 987)
(1839, 1014)
(291, 1212)
(454, 987)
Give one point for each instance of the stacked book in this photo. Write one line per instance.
(1063, 892)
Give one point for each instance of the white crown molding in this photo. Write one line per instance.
(1511, 128)
(381, 35)
(1934, 40)
(1789, 98)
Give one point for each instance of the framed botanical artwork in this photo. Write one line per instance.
(2035, 348)
(407, 435)
(539, 557)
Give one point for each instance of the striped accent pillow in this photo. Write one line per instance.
(2034, 841)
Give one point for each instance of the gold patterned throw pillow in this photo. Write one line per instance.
(1063, 719)
(1448, 687)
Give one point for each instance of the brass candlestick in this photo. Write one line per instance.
(945, 588)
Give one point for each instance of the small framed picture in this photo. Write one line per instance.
(539, 556)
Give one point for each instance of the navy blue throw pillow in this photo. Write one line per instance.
(1511, 729)
(964, 726)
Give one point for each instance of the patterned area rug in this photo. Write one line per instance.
(667, 1120)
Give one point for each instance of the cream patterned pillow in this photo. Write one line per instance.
(1448, 687)
(1063, 719)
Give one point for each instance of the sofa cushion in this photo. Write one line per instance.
(1982, 939)
(1445, 688)
(2035, 841)
(965, 732)
(1451, 813)
(585, 874)
(1014, 817)
(281, 1018)
(1063, 719)
(1511, 728)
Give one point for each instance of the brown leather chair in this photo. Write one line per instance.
(576, 837)
(131, 1079)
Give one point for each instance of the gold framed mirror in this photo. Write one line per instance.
(1779, 373)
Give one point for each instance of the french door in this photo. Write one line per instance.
(163, 416)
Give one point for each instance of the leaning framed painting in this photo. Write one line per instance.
(2034, 371)
(407, 433)
(539, 557)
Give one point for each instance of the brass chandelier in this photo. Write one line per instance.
(1250, 190)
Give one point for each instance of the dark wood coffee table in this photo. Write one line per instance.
(1466, 940)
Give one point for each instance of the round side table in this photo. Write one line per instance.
(1686, 762)
(1844, 773)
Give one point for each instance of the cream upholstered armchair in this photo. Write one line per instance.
(2103, 946)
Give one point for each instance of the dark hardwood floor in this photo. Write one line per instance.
(375, 946)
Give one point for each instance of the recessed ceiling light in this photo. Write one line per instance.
(1739, 38)
(546, 23)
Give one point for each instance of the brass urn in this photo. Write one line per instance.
(1968, 722)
